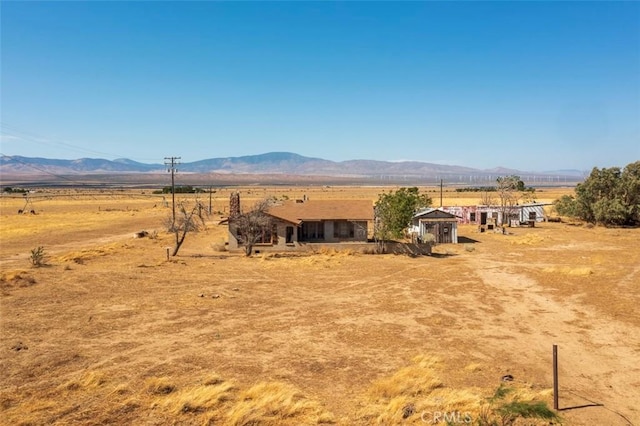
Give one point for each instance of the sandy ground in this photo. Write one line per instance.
(330, 324)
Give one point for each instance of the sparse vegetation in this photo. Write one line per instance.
(509, 404)
(126, 338)
(273, 403)
(38, 257)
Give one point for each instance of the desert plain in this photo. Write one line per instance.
(110, 331)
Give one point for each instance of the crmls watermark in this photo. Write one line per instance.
(445, 417)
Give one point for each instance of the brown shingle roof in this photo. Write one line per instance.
(314, 210)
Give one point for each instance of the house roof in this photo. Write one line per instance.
(433, 213)
(315, 210)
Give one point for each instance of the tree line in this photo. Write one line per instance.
(609, 196)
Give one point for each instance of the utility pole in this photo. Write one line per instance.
(210, 193)
(172, 162)
(441, 193)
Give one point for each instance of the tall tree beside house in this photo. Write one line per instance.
(394, 211)
(609, 196)
(251, 226)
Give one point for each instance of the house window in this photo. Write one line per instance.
(472, 217)
(263, 237)
(343, 229)
(313, 231)
(289, 234)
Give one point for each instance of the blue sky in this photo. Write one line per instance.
(529, 85)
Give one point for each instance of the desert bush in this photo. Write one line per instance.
(428, 239)
(219, 246)
(38, 257)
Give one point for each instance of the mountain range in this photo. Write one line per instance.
(285, 163)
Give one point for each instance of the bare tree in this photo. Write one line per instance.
(487, 198)
(188, 219)
(252, 226)
(508, 189)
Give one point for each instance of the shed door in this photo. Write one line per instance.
(445, 235)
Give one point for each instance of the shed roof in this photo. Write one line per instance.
(433, 213)
(315, 210)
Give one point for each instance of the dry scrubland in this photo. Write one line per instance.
(111, 332)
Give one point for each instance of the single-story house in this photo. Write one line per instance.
(296, 222)
(437, 222)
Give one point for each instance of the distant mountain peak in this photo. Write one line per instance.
(276, 162)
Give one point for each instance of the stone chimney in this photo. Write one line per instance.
(234, 204)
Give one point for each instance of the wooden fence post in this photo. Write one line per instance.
(555, 377)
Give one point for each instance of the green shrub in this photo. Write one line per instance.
(37, 257)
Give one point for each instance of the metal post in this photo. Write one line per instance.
(209, 200)
(555, 377)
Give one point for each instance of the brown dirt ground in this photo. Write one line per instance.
(84, 336)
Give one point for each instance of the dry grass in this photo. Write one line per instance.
(416, 395)
(87, 254)
(527, 239)
(89, 380)
(125, 338)
(201, 398)
(416, 379)
(159, 386)
(274, 403)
